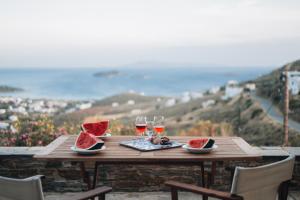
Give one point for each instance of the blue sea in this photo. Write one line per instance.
(81, 84)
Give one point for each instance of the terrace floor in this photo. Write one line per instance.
(151, 196)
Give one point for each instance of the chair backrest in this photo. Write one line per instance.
(262, 183)
(21, 189)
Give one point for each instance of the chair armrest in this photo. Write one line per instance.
(100, 191)
(203, 191)
(35, 177)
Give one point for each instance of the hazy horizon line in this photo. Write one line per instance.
(147, 65)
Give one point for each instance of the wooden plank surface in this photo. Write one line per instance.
(229, 148)
(56, 144)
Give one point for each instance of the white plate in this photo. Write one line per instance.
(105, 135)
(86, 152)
(198, 150)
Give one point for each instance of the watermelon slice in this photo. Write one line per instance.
(97, 128)
(201, 143)
(88, 141)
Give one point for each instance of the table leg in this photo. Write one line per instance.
(202, 174)
(85, 175)
(212, 174)
(95, 175)
(203, 179)
(210, 178)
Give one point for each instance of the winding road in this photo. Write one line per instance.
(274, 113)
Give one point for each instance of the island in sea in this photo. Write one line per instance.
(6, 89)
(107, 74)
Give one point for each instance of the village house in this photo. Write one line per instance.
(232, 89)
(250, 87)
(294, 82)
(208, 103)
(214, 90)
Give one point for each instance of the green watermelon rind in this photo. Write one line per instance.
(210, 143)
(98, 145)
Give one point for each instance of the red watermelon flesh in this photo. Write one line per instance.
(88, 141)
(201, 143)
(97, 128)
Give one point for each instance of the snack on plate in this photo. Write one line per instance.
(88, 141)
(164, 141)
(201, 143)
(157, 140)
(97, 128)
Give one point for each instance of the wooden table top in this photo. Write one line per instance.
(229, 148)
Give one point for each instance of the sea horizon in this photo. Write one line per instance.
(81, 84)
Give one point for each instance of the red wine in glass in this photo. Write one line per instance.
(159, 129)
(140, 125)
(141, 128)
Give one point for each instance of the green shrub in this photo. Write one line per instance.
(31, 131)
(256, 113)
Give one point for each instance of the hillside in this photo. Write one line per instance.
(250, 122)
(270, 86)
(241, 115)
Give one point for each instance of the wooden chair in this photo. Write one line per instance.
(31, 189)
(267, 182)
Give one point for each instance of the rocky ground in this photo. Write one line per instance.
(151, 196)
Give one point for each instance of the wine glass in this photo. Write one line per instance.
(158, 124)
(150, 123)
(140, 125)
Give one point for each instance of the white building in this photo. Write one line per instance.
(196, 95)
(36, 106)
(232, 83)
(130, 102)
(115, 104)
(84, 106)
(294, 82)
(214, 90)
(136, 111)
(2, 111)
(19, 109)
(13, 118)
(48, 110)
(59, 104)
(70, 110)
(170, 102)
(232, 89)
(4, 125)
(185, 99)
(250, 86)
(208, 103)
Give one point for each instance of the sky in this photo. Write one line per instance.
(95, 33)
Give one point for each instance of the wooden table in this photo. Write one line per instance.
(229, 149)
